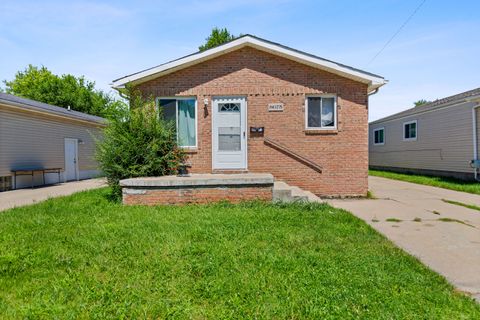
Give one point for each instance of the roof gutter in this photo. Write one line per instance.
(374, 92)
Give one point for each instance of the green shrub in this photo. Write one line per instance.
(138, 144)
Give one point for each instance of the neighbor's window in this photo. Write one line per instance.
(183, 112)
(321, 112)
(410, 130)
(379, 136)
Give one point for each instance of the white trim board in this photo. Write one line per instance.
(374, 82)
(476, 152)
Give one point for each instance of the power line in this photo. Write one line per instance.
(397, 32)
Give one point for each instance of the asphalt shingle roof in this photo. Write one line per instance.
(431, 105)
(33, 105)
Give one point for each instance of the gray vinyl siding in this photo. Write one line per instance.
(28, 139)
(444, 141)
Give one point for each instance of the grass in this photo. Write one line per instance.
(393, 220)
(466, 205)
(371, 195)
(441, 182)
(455, 220)
(83, 256)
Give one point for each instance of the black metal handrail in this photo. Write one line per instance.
(293, 154)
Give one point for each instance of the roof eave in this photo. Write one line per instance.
(175, 65)
(373, 81)
(475, 99)
(28, 108)
(404, 113)
(376, 85)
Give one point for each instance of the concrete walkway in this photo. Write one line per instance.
(450, 247)
(21, 197)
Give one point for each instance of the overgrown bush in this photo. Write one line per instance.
(138, 144)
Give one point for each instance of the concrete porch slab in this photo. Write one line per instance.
(200, 180)
(197, 188)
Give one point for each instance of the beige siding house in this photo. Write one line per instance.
(38, 136)
(439, 138)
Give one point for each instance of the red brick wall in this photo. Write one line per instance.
(198, 195)
(265, 78)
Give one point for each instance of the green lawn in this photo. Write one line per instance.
(85, 257)
(466, 205)
(446, 183)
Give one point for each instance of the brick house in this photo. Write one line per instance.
(252, 105)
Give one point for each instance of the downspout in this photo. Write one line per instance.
(475, 142)
(368, 127)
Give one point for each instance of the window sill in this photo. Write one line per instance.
(190, 150)
(321, 131)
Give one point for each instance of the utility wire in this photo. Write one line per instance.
(398, 31)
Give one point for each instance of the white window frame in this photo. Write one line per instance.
(380, 143)
(157, 105)
(416, 130)
(335, 115)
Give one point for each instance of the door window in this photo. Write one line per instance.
(229, 107)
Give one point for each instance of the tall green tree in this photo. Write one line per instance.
(78, 93)
(216, 38)
(421, 102)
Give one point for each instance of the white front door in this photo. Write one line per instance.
(71, 150)
(229, 122)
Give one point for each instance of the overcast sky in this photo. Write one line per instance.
(437, 53)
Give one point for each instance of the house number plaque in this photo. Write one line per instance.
(275, 107)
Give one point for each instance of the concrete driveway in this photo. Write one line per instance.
(444, 236)
(21, 197)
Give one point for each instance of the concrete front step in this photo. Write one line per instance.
(197, 188)
(286, 193)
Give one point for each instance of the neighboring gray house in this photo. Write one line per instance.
(439, 138)
(35, 136)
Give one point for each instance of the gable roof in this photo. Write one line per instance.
(40, 107)
(437, 104)
(374, 81)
